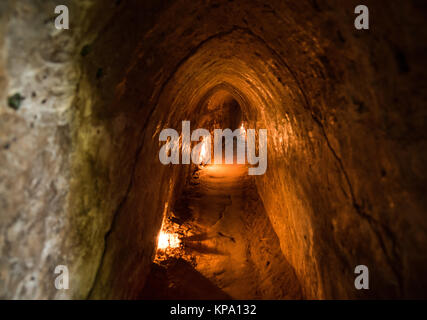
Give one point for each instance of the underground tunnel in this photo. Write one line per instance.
(81, 184)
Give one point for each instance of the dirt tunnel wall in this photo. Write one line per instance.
(81, 183)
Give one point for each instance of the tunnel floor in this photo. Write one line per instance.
(228, 250)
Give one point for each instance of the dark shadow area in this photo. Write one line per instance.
(177, 279)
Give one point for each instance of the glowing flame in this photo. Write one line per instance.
(203, 152)
(242, 130)
(168, 240)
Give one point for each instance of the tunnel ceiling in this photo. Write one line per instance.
(346, 148)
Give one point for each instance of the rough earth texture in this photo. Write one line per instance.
(80, 180)
(227, 240)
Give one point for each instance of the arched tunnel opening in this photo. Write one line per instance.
(216, 241)
(82, 184)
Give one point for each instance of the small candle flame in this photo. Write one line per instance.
(242, 130)
(168, 240)
(203, 152)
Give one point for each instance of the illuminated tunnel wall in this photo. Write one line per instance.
(81, 181)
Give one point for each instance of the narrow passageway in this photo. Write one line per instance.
(229, 246)
(84, 116)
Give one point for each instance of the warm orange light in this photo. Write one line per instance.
(203, 152)
(242, 130)
(168, 240)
